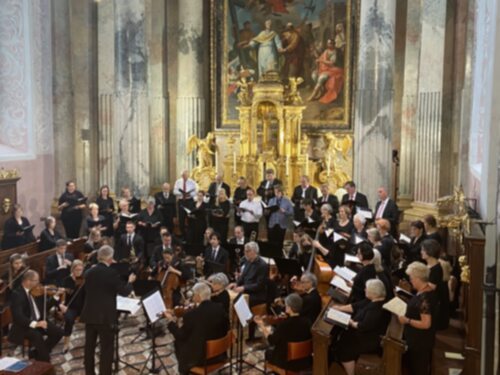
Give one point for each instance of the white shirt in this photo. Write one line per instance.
(131, 237)
(214, 252)
(35, 308)
(381, 208)
(240, 241)
(304, 191)
(268, 184)
(191, 187)
(60, 260)
(254, 206)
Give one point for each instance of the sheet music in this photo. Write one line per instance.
(130, 305)
(404, 238)
(187, 210)
(243, 311)
(309, 220)
(345, 273)
(7, 362)
(154, 306)
(351, 258)
(404, 291)
(264, 205)
(396, 306)
(338, 316)
(357, 239)
(339, 282)
(337, 237)
(365, 213)
(296, 223)
(328, 232)
(269, 261)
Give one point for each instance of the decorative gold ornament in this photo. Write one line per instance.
(465, 274)
(452, 210)
(7, 174)
(6, 205)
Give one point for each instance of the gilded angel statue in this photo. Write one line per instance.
(205, 149)
(293, 91)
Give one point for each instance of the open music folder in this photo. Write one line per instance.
(242, 310)
(337, 317)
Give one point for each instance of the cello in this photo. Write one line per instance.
(169, 281)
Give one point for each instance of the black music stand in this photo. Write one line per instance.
(194, 250)
(289, 267)
(270, 249)
(142, 288)
(235, 253)
(117, 359)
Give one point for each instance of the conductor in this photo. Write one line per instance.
(102, 284)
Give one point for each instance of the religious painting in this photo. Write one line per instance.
(306, 39)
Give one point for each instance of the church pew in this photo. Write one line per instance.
(30, 248)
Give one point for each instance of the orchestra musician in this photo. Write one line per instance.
(17, 230)
(326, 197)
(131, 245)
(216, 186)
(279, 218)
(311, 300)
(250, 212)
(57, 266)
(134, 204)
(75, 296)
(49, 235)
(185, 191)
(148, 224)
(240, 194)
(12, 280)
(301, 192)
(94, 219)
(431, 229)
(93, 243)
(353, 198)
(239, 236)
(293, 253)
(419, 327)
(214, 254)
(102, 285)
(191, 337)
(253, 279)
(29, 318)
(219, 214)
(166, 203)
(197, 219)
(106, 209)
(166, 243)
(368, 323)
(387, 209)
(219, 282)
(295, 328)
(71, 203)
(305, 250)
(266, 187)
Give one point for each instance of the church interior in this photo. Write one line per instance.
(250, 186)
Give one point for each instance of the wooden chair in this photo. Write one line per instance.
(214, 348)
(296, 351)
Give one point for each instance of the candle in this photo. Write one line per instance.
(287, 165)
(234, 162)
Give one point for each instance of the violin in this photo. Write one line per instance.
(48, 290)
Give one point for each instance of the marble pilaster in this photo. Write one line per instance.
(374, 97)
(409, 105)
(190, 90)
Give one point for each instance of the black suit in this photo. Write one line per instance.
(124, 248)
(254, 279)
(167, 209)
(267, 194)
(332, 200)
(360, 200)
(240, 194)
(391, 213)
(311, 305)
(102, 285)
(158, 255)
(310, 193)
(221, 258)
(52, 274)
(212, 191)
(23, 314)
(190, 339)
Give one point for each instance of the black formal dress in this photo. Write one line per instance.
(220, 224)
(292, 329)
(190, 339)
(311, 305)
(11, 238)
(197, 223)
(240, 194)
(48, 240)
(75, 298)
(223, 299)
(92, 223)
(420, 342)
(266, 190)
(412, 251)
(340, 248)
(212, 259)
(385, 277)
(102, 285)
(151, 232)
(26, 310)
(435, 236)
(212, 191)
(359, 282)
(106, 210)
(372, 322)
(71, 216)
(134, 205)
(299, 194)
(167, 206)
(442, 297)
(386, 249)
(53, 275)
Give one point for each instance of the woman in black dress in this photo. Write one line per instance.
(367, 272)
(75, 296)
(417, 233)
(49, 235)
(383, 275)
(359, 231)
(344, 227)
(219, 215)
(218, 282)
(368, 323)
(419, 332)
(94, 220)
(431, 251)
(71, 203)
(324, 237)
(106, 210)
(134, 204)
(432, 230)
(387, 243)
(197, 220)
(17, 230)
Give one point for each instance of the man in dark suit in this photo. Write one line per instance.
(214, 187)
(301, 192)
(387, 209)
(239, 236)
(353, 198)
(57, 266)
(166, 243)
(327, 198)
(128, 242)
(165, 202)
(102, 285)
(214, 254)
(266, 187)
(311, 300)
(190, 339)
(28, 319)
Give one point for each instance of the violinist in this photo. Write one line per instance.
(311, 300)
(73, 284)
(170, 264)
(94, 242)
(57, 265)
(49, 235)
(29, 318)
(218, 282)
(13, 279)
(166, 243)
(17, 230)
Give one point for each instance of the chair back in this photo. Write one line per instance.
(299, 350)
(217, 347)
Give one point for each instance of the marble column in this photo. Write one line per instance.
(131, 105)
(374, 97)
(62, 81)
(190, 78)
(430, 147)
(409, 107)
